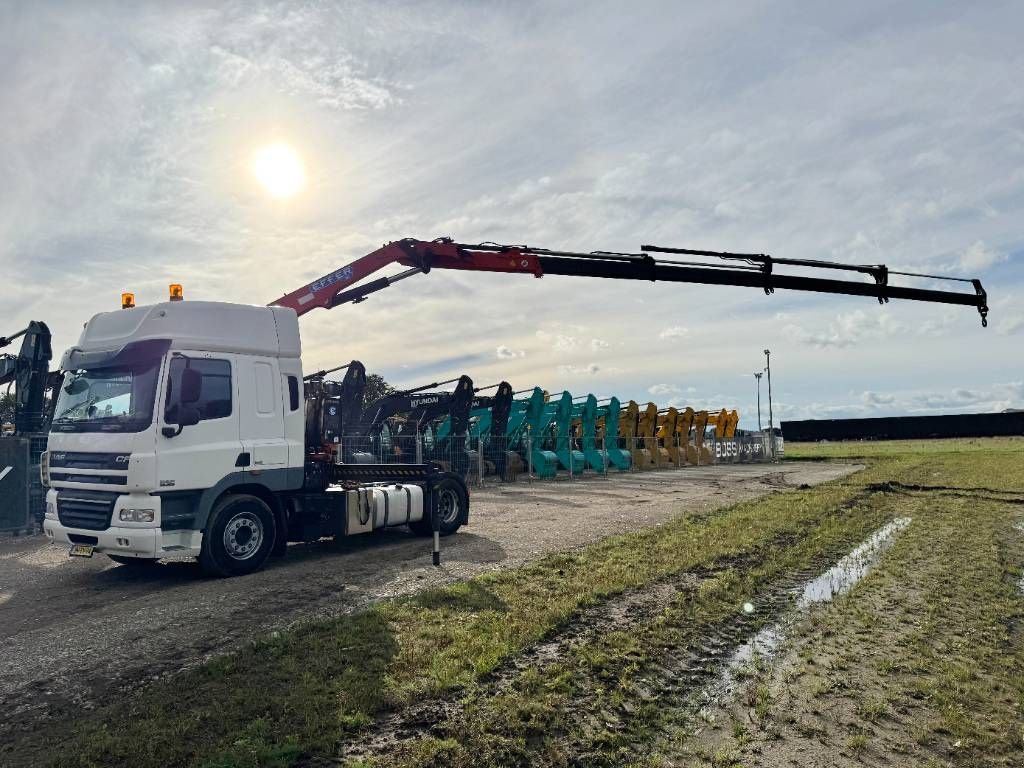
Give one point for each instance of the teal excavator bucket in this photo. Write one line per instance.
(531, 418)
(597, 458)
(568, 457)
(617, 456)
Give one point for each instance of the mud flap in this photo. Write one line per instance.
(435, 526)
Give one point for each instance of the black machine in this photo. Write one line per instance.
(29, 373)
(378, 427)
(496, 449)
(332, 407)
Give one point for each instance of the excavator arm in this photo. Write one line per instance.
(29, 372)
(751, 270)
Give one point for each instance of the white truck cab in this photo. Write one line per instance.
(180, 430)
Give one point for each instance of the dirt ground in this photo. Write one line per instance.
(75, 632)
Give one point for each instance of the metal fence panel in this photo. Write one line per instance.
(14, 483)
(485, 460)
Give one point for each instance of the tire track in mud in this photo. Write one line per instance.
(680, 671)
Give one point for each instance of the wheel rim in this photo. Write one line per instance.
(243, 536)
(448, 506)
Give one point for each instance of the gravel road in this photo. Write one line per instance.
(73, 632)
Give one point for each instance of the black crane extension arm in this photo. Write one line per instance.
(751, 270)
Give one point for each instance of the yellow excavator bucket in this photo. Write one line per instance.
(627, 422)
(629, 418)
(732, 424)
(647, 455)
(668, 441)
(725, 423)
(683, 427)
(700, 425)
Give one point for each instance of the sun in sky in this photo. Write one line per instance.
(279, 170)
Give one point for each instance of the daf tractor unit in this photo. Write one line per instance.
(180, 428)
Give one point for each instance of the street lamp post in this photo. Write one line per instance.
(758, 377)
(771, 420)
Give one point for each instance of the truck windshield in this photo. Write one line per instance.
(115, 399)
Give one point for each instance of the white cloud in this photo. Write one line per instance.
(846, 330)
(663, 389)
(559, 341)
(674, 332)
(877, 398)
(579, 370)
(1010, 324)
(979, 257)
(507, 353)
(937, 327)
(993, 399)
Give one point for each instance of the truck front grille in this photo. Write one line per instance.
(88, 460)
(89, 510)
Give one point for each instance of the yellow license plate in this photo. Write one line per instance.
(81, 550)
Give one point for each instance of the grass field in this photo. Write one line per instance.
(594, 657)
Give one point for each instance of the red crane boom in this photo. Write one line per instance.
(751, 270)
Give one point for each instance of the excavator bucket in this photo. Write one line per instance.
(720, 421)
(496, 448)
(540, 416)
(629, 418)
(597, 458)
(668, 439)
(618, 457)
(700, 425)
(488, 422)
(449, 450)
(568, 457)
(646, 454)
(528, 423)
(684, 428)
(518, 430)
(732, 423)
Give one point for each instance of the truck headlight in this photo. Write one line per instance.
(44, 469)
(51, 510)
(137, 515)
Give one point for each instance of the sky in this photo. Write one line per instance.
(864, 132)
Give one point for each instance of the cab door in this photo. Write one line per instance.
(200, 455)
(261, 413)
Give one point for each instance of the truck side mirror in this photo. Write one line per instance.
(188, 416)
(191, 386)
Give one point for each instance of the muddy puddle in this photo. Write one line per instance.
(765, 644)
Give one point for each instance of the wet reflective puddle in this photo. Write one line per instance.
(838, 579)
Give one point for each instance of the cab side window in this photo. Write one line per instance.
(214, 400)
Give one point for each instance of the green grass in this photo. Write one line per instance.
(306, 692)
(534, 718)
(925, 657)
(880, 449)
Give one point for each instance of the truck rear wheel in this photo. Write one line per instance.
(452, 501)
(239, 536)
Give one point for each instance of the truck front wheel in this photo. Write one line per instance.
(239, 536)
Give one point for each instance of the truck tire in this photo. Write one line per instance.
(239, 536)
(452, 501)
(135, 562)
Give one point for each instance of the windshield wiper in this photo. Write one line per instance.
(86, 405)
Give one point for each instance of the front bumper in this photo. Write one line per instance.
(147, 543)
